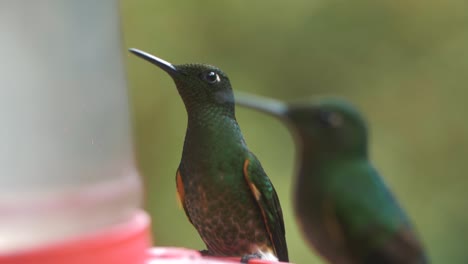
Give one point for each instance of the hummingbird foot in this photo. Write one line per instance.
(245, 259)
(205, 252)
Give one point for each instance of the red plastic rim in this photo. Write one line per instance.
(125, 243)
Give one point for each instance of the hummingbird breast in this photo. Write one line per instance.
(222, 208)
(217, 197)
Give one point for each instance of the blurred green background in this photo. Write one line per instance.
(403, 63)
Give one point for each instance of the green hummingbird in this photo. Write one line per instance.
(222, 186)
(344, 209)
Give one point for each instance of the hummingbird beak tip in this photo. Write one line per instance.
(164, 65)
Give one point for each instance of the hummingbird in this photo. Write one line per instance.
(225, 192)
(344, 209)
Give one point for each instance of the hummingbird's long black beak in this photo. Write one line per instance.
(269, 106)
(164, 65)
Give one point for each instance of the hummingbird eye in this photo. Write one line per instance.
(210, 77)
(330, 119)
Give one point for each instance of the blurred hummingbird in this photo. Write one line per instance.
(345, 210)
(222, 186)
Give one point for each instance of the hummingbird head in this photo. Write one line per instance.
(333, 127)
(330, 126)
(201, 86)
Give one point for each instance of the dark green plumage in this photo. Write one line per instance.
(224, 191)
(344, 208)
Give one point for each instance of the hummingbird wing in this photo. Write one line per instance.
(403, 247)
(267, 199)
(181, 193)
(374, 226)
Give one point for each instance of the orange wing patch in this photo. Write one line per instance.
(180, 190)
(331, 222)
(252, 186)
(257, 196)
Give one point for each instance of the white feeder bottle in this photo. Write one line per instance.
(67, 168)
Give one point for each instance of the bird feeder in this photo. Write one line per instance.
(69, 188)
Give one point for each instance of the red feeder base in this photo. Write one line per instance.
(126, 243)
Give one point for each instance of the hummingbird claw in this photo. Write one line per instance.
(205, 252)
(245, 259)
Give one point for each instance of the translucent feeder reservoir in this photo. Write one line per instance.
(66, 158)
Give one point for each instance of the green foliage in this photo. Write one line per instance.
(403, 63)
